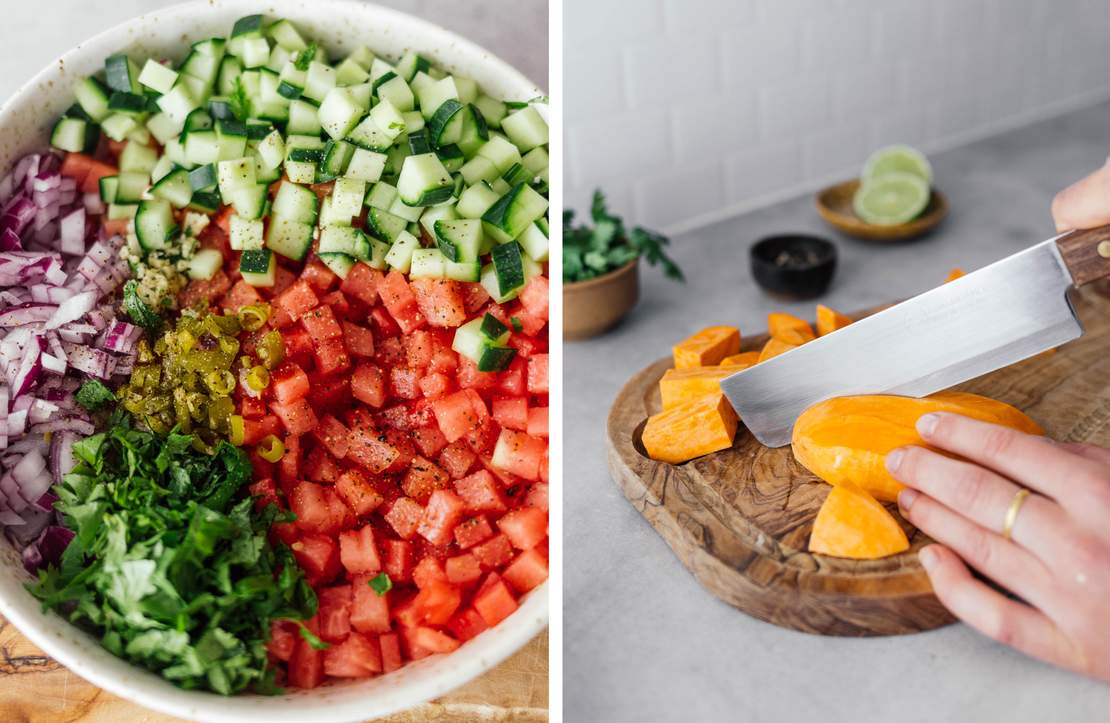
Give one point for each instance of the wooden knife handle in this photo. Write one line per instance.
(1086, 253)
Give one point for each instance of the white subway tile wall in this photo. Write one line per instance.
(685, 111)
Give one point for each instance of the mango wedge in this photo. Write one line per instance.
(692, 429)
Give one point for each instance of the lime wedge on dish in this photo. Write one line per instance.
(897, 159)
(891, 199)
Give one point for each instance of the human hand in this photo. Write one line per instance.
(1058, 557)
(1085, 203)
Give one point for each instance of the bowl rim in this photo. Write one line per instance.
(825, 247)
(605, 278)
(151, 691)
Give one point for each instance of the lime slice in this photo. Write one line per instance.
(897, 159)
(892, 198)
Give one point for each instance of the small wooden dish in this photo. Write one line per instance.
(597, 305)
(835, 206)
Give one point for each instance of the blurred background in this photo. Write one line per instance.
(688, 110)
(716, 122)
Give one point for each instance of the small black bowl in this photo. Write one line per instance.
(793, 266)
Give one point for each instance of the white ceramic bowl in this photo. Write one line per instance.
(25, 121)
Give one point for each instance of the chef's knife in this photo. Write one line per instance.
(1008, 311)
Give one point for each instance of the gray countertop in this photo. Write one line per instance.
(642, 639)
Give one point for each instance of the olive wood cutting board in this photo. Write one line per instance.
(36, 688)
(740, 519)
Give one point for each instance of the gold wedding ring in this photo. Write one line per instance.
(1012, 512)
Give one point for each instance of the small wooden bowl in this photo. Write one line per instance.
(594, 306)
(835, 206)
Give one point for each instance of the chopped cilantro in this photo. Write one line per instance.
(137, 309)
(380, 584)
(239, 101)
(93, 395)
(590, 252)
(305, 57)
(315, 642)
(171, 567)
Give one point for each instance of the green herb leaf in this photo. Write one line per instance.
(305, 57)
(137, 309)
(313, 641)
(239, 101)
(93, 395)
(380, 583)
(589, 252)
(171, 567)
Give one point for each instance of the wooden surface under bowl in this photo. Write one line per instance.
(835, 206)
(740, 519)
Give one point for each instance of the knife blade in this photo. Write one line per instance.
(1005, 312)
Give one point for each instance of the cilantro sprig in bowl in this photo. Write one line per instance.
(26, 122)
(601, 269)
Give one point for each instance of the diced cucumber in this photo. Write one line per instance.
(400, 253)
(117, 126)
(513, 212)
(378, 251)
(534, 242)
(479, 169)
(452, 157)
(339, 113)
(202, 147)
(344, 240)
(476, 200)
(179, 102)
(318, 81)
(304, 118)
(337, 156)
(385, 225)
(130, 186)
(70, 134)
(174, 187)
(365, 165)
(300, 171)
(464, 270)
(230, 70)
(137, 157)
(350, 73)
(120, 211)
(272, 150)
(432, 95)
(163, 128)
(122, 74)
(412, 63)
(257, 267)
(205, 201)
(250, 201)
(427, 264)
(235, 174)
(108, 187)
(154, 224)
(289, 237)
(245, 234)
(295, 202)
(397, 92)
(254, 52)
(492, 328)
(363, 56)
(424, 181)
(286, 36)
(476, 346)
(204, 264)
(157, 76)
(536, 160)
(509, 267)
(92, 95)
(526, 128)
(340, 264)
(459, 240)
(382, 196)
(346, 197)
(409, 213)
(133, 104)
(442, 212)
(203, 178)
(500, 152)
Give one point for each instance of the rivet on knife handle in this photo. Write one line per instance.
(1086, 253)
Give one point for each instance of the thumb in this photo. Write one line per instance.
(1085, 203)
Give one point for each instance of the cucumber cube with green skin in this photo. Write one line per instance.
(157, 76)
(248, 25)
(526, 128)
(288, 237)
(432, 95)
(272, 149)
(137, 157)
(363, 57)
(174, 187)
(92, 95)
(470, 342)
(345, 240)
(478, 170)
(400, 253)
(234, 175)
(397, 92)
(513, 212)
(493, 110)
(409, 213)
(535, 242)
(427, 264)
(500, 152)
(133, 104)
(350, 73)
(286, 36)
(154, 224)
(378, 251)
(509, 267)
(204, 264)
(493, 329)
(257, 266)
(346, 197)
(442, 212)
(385, 225)
(249, 202)
(122, 74)
(70, 134)
(424, 181)
(296, 203)
(245, 234)
(301, 171)
(459, 240)
(163, 128)
(318, 81)
(108, 187)
(130, 186)
(536, 160)
(179, 102)
(340, 264)
(339, 113)
(382, 196)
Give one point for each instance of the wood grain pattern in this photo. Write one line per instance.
(35, 688)
(1082, 251)
(740, 519)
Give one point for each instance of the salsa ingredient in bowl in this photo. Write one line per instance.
(338, 265)
(170, 564)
